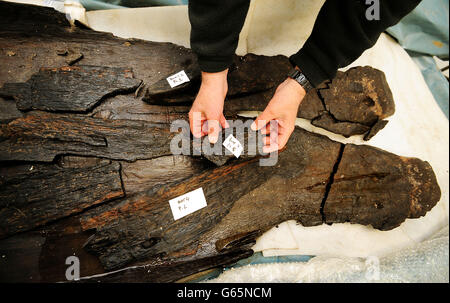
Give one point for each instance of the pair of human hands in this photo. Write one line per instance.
(206, 115)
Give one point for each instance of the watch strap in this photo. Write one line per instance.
(301, 79)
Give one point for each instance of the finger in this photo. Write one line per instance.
(270, 148)
(274, 127)
(266, 140)
(272, 144)
(261, 120)
(283, 138)
(195, 123)
(266, 130)
(204, 127)
(224, 122)
(213, 130)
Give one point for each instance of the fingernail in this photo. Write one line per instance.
(266, 150)
(253, 126)
(227, 124)
(212, 139)
(269, 149)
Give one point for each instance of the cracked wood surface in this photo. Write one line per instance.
(70, 88)
(42, 136)
(252, 79)
(36, 194)
(370, 186)
(249, 74)
(148, 227)
(223, 187)
(245, 199)
(351, 104)
(120, 146)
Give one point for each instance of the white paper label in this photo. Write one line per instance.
(233, 145)
(177, 79)
(187, 203)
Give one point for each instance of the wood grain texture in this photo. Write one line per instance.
(41, 136)
(252, 79)
(70, 88)
(347, 129)
(248, 74)
(33, 195)
(38, 34)
(148, 227)
(169, 271)
(361, 95)
(142, 174)
(351, 104)
(378, 188)
(245, 199)
(102, 179)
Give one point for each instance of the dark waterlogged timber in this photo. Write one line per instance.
(246, 199)
(33, 195)
(140, 228)
(70, 88)
(92, 177)
(350, 105)
(42, 136)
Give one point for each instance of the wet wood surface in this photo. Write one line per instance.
(351, 104)
(252, 79)
(70, 88)
(33, 195)
(92, 177)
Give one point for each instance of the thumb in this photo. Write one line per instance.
(261, 120)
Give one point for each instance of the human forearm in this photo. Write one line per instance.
(215, 28)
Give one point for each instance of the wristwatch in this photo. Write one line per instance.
(301, 79)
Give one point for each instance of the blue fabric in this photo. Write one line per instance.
(424, 33)
(112, 4)
(436, 81)
(425, 29)
(256, 258)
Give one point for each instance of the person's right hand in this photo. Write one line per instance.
(208, 106)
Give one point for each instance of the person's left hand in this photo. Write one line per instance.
(282, 108)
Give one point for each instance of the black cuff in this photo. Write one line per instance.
(312, 71)
(214, 64)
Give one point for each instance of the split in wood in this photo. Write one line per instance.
(98, 177)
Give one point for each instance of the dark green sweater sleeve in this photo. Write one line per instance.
(340, 35)
(215, 28)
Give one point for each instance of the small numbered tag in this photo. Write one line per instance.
(187, 203)
(177, 79)
(233, 145)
